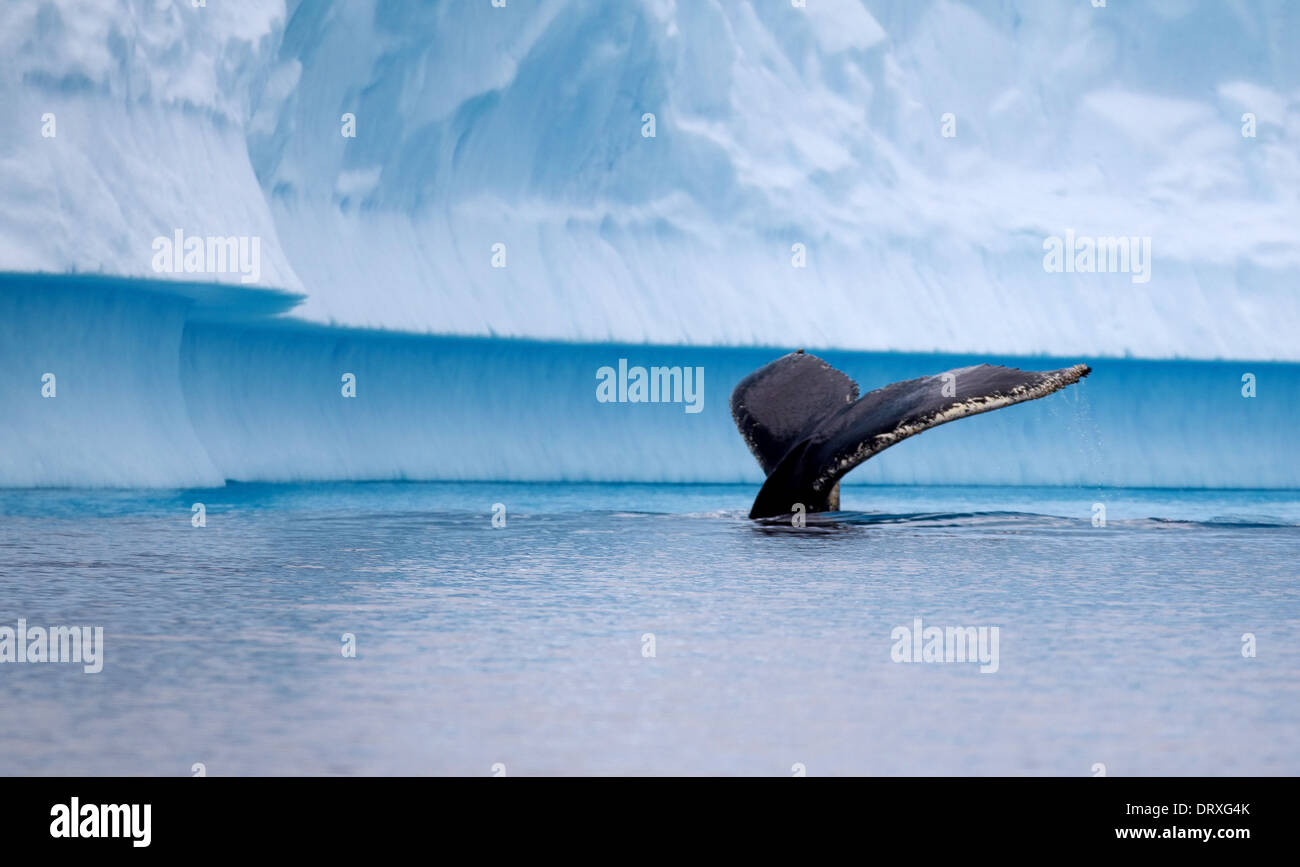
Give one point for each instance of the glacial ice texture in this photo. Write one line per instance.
(774, 127)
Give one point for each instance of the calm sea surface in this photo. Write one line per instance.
(529, 645)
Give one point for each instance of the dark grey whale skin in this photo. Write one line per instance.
(807, 426)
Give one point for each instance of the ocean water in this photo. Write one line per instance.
(526, 645)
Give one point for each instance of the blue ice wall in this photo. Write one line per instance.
(163, 389)
(117, 415)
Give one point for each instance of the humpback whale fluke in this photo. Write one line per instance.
(807, 426)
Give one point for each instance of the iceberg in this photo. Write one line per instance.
(165, 384)
(864, 176)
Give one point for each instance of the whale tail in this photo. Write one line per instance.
(807, 426)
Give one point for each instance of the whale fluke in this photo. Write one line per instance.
(807, 426)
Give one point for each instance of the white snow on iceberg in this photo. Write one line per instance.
(774, 126)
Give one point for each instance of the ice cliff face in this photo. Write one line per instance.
(912, 156)
(126, 121)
